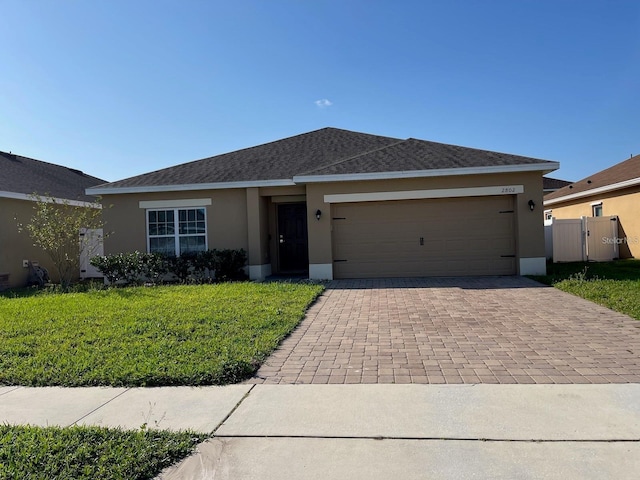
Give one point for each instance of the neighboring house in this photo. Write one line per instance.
(339, 204)
(614, 191)
(20, 178)
(552, 184)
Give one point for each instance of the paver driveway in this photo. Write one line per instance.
(456, 330)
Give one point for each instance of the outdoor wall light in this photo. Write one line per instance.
(318, 214)
(532, 205)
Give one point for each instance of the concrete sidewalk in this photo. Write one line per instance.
(368, 431)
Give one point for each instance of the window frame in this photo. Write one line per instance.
(176, 227)
(595, 207)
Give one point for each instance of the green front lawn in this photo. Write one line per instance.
(615, 285)
(170, 335)
(90, 452)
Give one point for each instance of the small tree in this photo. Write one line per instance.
(55, 228)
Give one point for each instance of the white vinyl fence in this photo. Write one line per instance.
(91, 246)
(582, 239)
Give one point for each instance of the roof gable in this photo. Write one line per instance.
(621, 173)
(25, 176)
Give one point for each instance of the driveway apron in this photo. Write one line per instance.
(455, 330)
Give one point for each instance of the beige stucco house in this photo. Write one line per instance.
(20, 178)
(614, 191)
(334, 203)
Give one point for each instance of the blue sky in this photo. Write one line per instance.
(118, 88)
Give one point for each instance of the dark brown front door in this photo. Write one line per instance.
(293, 249)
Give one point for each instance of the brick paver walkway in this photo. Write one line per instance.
(455, 330)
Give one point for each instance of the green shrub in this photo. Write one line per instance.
(230, 265)
(181, 266)
(130, 268)
(135, 268)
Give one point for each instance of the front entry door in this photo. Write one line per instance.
(293, 249)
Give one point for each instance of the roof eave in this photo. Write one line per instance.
(594, 191)
(301, 179)
(543, 167)
(105, 190)
(48, 199)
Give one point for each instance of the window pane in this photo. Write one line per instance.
(191, 221)
(160, 223)
(164, 245)
(597, 210)
(192, 244)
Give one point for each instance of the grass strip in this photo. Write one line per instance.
(615, 285)
(35, 453)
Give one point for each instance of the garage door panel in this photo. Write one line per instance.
(462, 236)
(374, 253)
(496, 266)
(380, 269)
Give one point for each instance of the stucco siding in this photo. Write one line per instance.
(17, 246)
(125, 221)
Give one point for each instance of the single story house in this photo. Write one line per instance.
(333, 203)
(20, 179)
(614, 191)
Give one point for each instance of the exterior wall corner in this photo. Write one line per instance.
(533, 266)
(320, 271)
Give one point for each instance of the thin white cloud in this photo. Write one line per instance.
(323, 103)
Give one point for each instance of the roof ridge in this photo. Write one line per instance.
(338, 162)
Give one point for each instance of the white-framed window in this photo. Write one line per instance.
(174, 231)
(596, 209)
(548, 214)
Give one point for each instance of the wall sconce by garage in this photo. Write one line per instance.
(532, 205)
(318, 214)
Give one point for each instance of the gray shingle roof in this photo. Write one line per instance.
(413, 154)
(328, 151)
(277, 160)
(26, 176)
(551, 184)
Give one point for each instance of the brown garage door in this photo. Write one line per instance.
(435, 237)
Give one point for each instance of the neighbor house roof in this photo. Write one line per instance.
(21, 177)
(622, 175)
(328, 154)
(552, 184)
